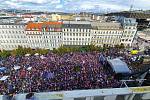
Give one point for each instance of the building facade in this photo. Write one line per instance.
(49, 35)
(76, 33)
(130, 30)
(106, 33)
(12, 35)
(46, 35)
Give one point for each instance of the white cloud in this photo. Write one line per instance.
(71, 5)
(39, 1)
(142, 4)
(12, 4)
(102, 5)
(59, 6)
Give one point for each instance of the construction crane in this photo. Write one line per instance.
(131, 6)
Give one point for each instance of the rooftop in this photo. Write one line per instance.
(106, 25)
(31, 26)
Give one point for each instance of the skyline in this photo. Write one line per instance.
(75, 5)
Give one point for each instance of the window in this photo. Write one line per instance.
(131, 36)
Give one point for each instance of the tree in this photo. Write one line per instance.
(20, 51)
(29, 51)
(121, 46)
(41, 51)
(5, 54)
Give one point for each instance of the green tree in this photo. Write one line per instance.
(41, 51)
(20, 51)
(5, 54)
(29, 51)
(121, 46)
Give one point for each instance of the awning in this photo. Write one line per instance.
(119, 66)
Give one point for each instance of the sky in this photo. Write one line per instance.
(75, 5)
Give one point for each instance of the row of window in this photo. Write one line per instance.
(107, 41)
(38, 32)
(75, 43)
(109, 37)
(52, 41)
(12, 36)
(13, 41)
(11, 32)
(129, 32)
(125, 40)
(127, 27)
(108, 32)
(35, 36)
(76, 34)
(13, 46)
(70, 39)
(12, 26)
(59, 37)
(127, 36)
(52, 33)
(76, 30)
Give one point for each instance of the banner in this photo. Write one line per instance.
(141, 89)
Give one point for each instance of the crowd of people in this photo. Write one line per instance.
(52, 72)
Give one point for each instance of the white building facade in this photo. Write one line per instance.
(49, 35)
(76, 33)
(130, 30)
(12, 35)
(46, 35)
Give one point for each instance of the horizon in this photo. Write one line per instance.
(76, 5)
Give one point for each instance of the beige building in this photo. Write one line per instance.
(57, 17)
(108, 33)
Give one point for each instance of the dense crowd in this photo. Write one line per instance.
(52, 72)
